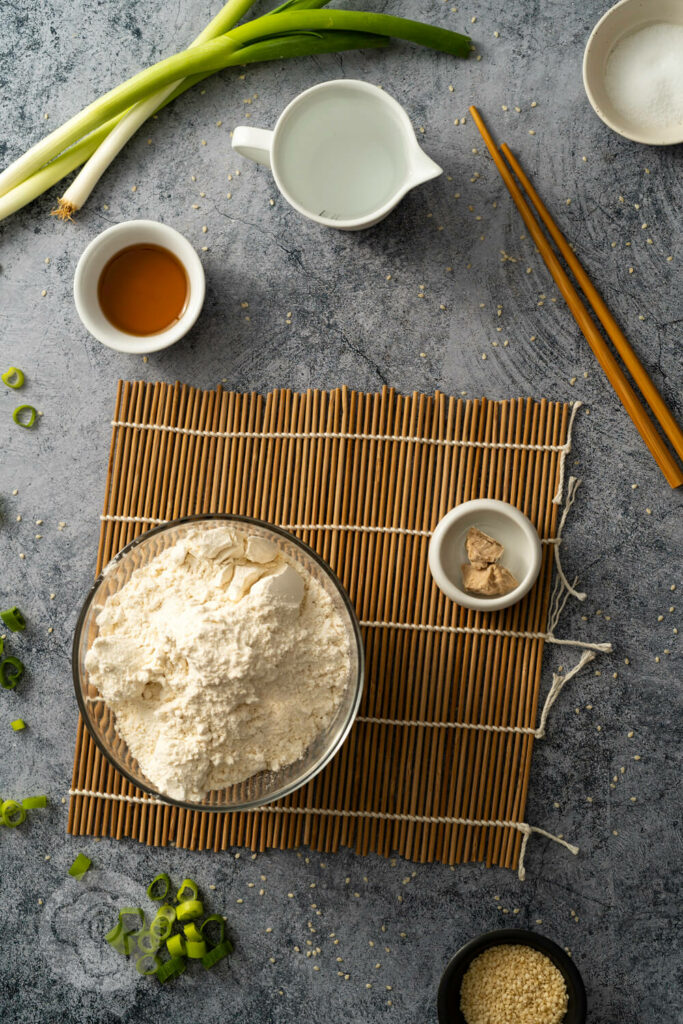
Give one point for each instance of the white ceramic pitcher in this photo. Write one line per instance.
(342, 153)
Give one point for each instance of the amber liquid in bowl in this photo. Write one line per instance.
(143, 289)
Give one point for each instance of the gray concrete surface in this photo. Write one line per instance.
(615, 905)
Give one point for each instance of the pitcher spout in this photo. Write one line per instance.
(422, 168)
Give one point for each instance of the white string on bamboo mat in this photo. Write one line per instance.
(338, 435)
(418, 819)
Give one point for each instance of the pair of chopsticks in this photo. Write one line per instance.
(638, 411)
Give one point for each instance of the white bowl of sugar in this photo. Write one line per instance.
(633, 70)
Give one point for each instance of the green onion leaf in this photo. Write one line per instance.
(80, 866)
(211, 920)
(139, 923)
(216, 954)
(21, 413)
(163, 922)
(11, 671)
(18, 724)
(171, 969)
(13, 619)
(13, 377)
(117, 940)
(148, 963)
(12, 814)
(196, 950)
(148, 941)
(161, 881)
(188, 910)
(31, 802)
(187, 883)
(192, 932)
(176, 945)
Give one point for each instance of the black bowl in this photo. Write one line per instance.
(449, 989)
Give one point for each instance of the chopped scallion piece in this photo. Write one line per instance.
(176, 945)
(171, 969)
(12, 814)
(148, 963)
(192, 932)
(196, 950)
(148, 941)
(139, 919)
(31, 802)
(80, 866)
(24, 416)
(117, 940)
(163, 882)
(13, 377)
(216, 954)
(163, 922)
(187, 884)
(211, 920)
(13, 619)
(188, 910)
(18, 724)
(11, 671)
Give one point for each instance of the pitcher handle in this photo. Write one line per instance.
(253, 143)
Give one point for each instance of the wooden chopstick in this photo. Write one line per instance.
(660, 410)
(613, 371)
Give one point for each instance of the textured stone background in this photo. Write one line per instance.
(350, 325)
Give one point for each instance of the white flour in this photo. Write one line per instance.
(220, 658)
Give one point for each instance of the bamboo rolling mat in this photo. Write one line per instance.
(363, 479)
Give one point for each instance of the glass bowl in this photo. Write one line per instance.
(100, 721)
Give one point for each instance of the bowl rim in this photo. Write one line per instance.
(514, 936)
(587, 72)
(360, 678)
(446, 584)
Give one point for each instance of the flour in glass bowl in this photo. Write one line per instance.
(644, 76)
(220, 658)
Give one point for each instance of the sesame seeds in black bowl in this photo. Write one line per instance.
(511, 974)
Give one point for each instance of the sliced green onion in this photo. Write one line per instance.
(192, 932)
(19, 419)
(12, 813)
(13, 619)
(162, 880)
(216, 954)
(142, 964)
(163, 922)
(148, 941)
(80, 866)
(136, 912)
(118, 940)
(188, 910)
(18, 724)
(171, 969)
(176, 945)
(11, 671)
(196, 950)
(13, 377)
(214, 919)
(31, 802)
(187, 884)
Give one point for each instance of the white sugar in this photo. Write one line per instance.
(644, 75)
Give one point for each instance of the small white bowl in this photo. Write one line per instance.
(622, 19)
(92, 263)
(503, 522)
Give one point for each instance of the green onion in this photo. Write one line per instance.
(192, 932)
(18, 724)
(31, 802)
(188, 910)
(19, 416)
(176, 945)
(12, 814)
(110, 121)
(171, 969)
(13, 619)
(148, 941)
(142, 964)
(80, 866)
(217, 953)
(118, 940)
(152, 889)
(13, 377)
(211, 920)
(187, 883)
(196, 950)
(162, 924)
(11, 671)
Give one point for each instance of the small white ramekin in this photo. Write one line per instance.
(503, 522)
(619, 21)
(92, 263)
